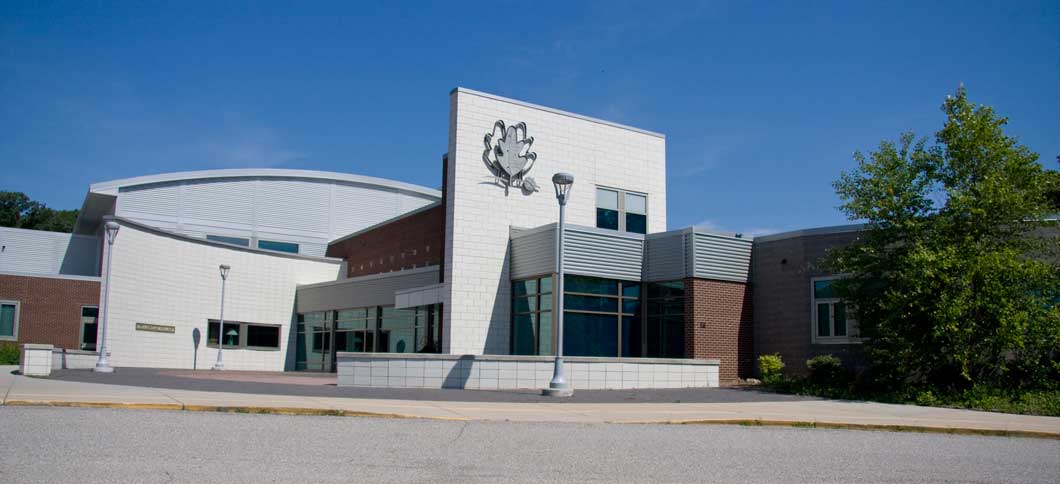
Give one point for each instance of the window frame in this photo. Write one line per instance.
(297, 245)
(242, 345)
(534, 313)
(229, 239)
(622, 193)
(852, 336)
(81, 332)
(619, 313)
(15, 323)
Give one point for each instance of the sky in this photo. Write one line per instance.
(762, 103)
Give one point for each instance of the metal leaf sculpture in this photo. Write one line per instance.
(508, 156)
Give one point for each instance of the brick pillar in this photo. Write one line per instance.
(718, 324)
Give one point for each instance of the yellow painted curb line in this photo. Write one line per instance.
(317, 412)
(855, 426)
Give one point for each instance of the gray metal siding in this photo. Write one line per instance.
(40, 252)
(664, 257)
(307, 211)
(593, 253)
(533, 254)
(362, 291)
(721, 258)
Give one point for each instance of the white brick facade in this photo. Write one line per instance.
(173, 281)
(479, 214)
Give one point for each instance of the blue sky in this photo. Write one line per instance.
(762, 103)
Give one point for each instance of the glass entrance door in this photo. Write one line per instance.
(314, 342)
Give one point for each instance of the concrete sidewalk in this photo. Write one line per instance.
(20, 390)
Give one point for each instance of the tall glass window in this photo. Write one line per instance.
(532, 316)
(9, 320)
(355, 330)
(665, 328)
(601, 317)
(832, 320)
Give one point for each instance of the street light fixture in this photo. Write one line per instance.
(221, 326)
(103, 364)
(559, 386)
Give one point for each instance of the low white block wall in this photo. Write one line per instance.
(36, 360)
(63, 359)
(496, 372)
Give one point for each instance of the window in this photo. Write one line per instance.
(278, 246)
(601, 317)
(365, 330)
(621, 210)
(665, 328)
(89, 325)
(832, 318)
(9, 320)
(532, 316)
(229, 240)
(241, 335)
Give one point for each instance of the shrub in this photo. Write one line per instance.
(826, 370)
(769, 367)
(9, 354)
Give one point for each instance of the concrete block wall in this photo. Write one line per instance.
(479, 213)
(719, 324)
(36, 360)
(172, 280)
(477, 372)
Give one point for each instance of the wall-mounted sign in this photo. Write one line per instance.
(508, 157)
(156, 328)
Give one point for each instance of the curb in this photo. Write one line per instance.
(855, 426)
(323, 412)
(314, 412)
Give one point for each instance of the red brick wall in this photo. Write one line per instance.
(417, 240)
(50, 308)
(718, 324)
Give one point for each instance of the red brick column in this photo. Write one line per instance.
(50, 308)
(718, 324)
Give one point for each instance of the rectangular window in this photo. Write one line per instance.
(9, 320)
(244, 242)
(241, 335)
(89, 326)
(289, 247)
(601, 317)
(531, 330)
(621, 210)
(832, 321)
(606, 209)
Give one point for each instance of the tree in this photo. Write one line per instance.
(956, 279)
(18, 210)
(1054, 188)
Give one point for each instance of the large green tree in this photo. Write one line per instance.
(18, 210)
(956, 279)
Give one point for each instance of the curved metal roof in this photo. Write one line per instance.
(111, 187)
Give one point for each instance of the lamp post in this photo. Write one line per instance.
(221, 326)
(559, 386)
(102, 364)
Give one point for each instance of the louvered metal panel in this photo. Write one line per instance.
(355, 207)
(533, 252)
(599, 253)
(664, 256)
(374, 290)
(82, 256)
(721, 257)
(40, 252)
(156, 199)
(228, 201)
(300, 205)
